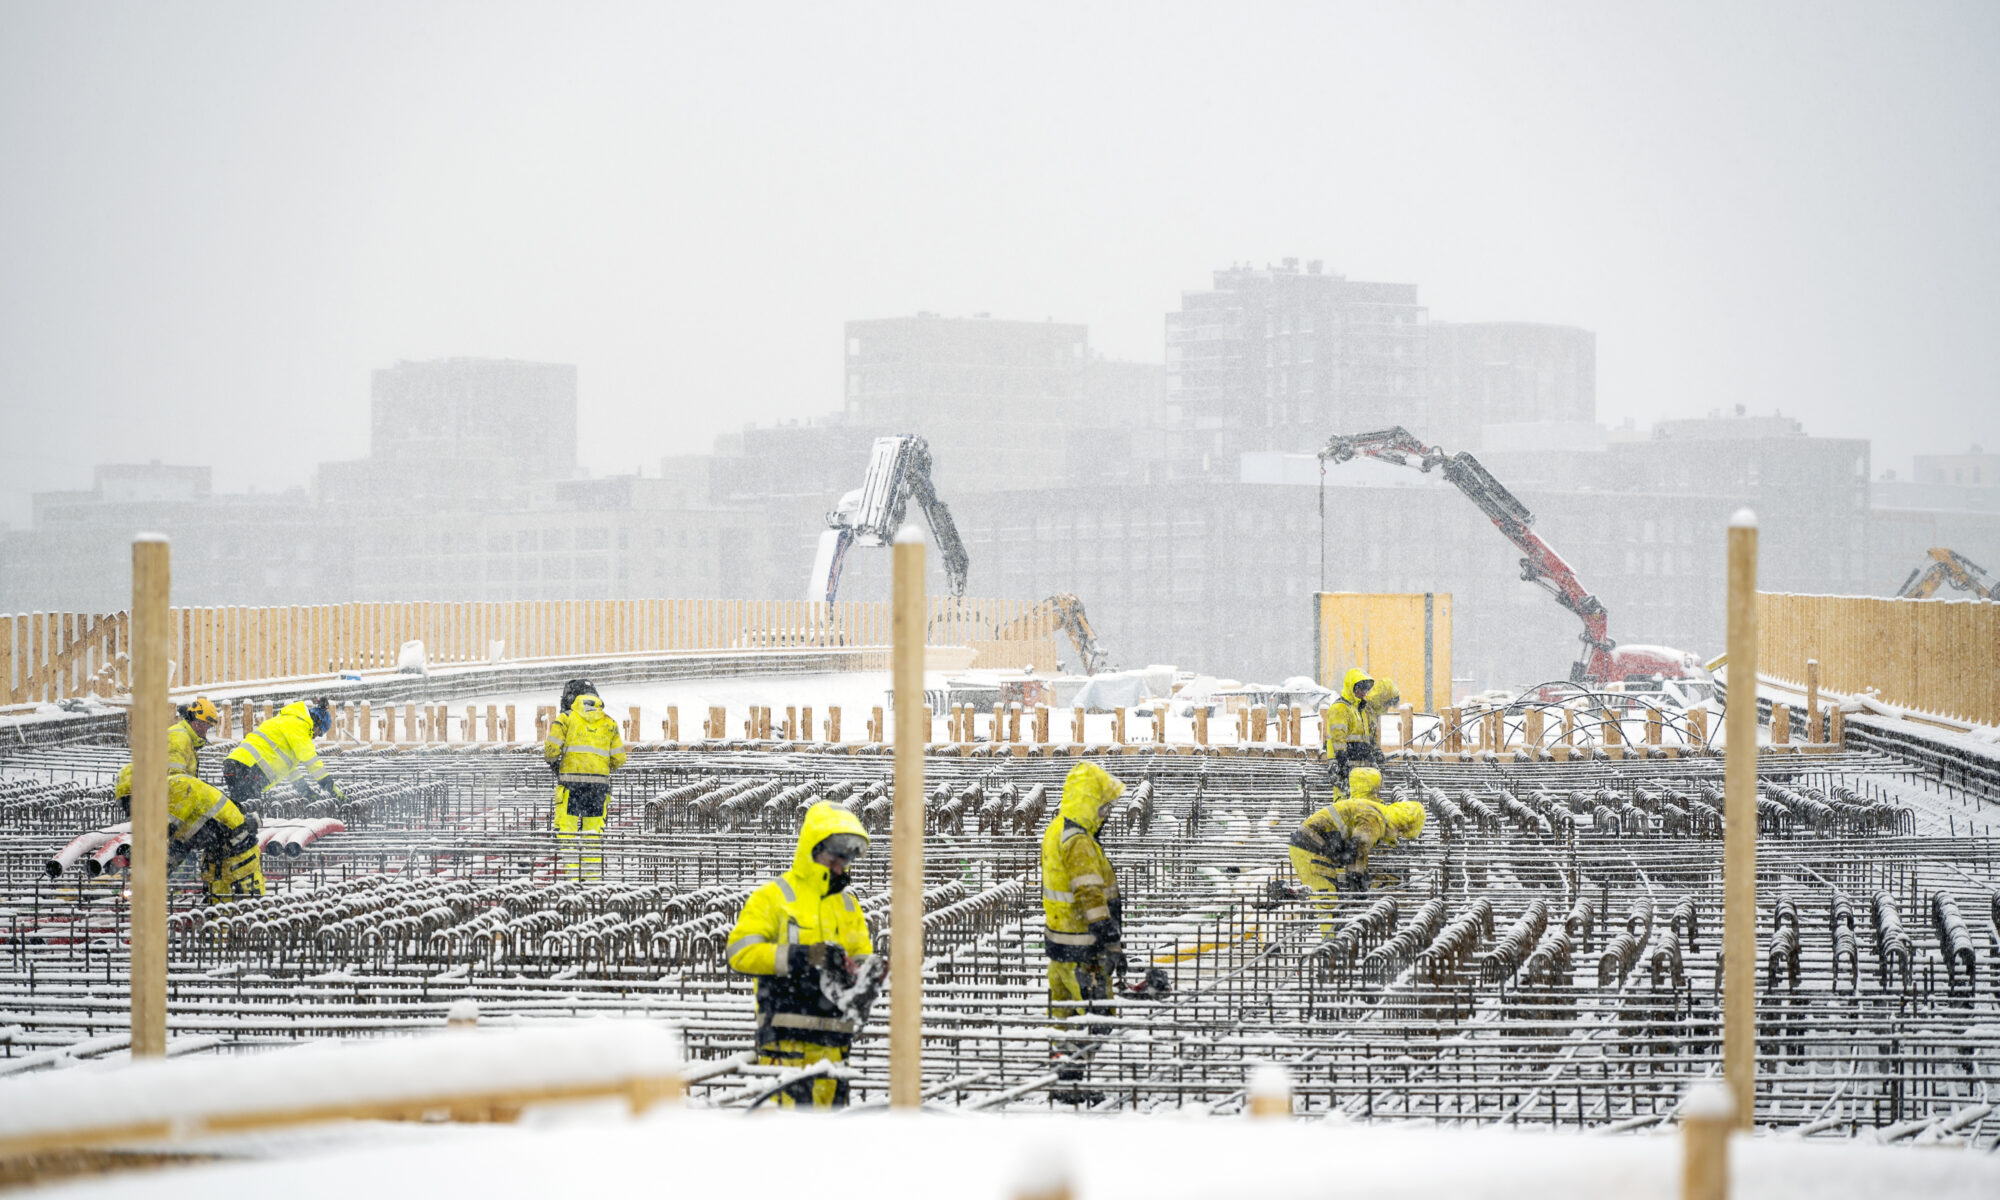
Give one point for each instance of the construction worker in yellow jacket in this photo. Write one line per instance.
(189, 735)
(583, 748)
(280, 753)
(202, 820)
(805, 940)
(1084, 938)
(1346, 725)
(1331, 848)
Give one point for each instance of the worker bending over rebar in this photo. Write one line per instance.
(200, 819)
(583, 748)
(1330, 849)
(280, 753)
(1085, 935)
(805, 940)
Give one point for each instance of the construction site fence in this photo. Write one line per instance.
(45, 657)
(1938, 656)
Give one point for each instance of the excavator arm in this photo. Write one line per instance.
(1065, 612)
(899, 470)
(1949, 566)
(1540, 564)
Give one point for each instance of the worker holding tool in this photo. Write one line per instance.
(1330, 849)
(1346, 725)
(200, 819)
(805, 940)
(1084, 939)
(582, 749)
(280, 752)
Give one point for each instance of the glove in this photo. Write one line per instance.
(1352, 883)
(555, 766)
(1110, 945)
(332, 790)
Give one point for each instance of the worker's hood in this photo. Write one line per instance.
(1085, 793)
(822, 821)
(1355, 675)
(1363, 783)
(588, 704)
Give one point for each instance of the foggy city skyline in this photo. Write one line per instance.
(221, 218)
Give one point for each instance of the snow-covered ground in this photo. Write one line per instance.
(598, 1151)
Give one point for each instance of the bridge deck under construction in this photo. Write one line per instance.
(1551, 956)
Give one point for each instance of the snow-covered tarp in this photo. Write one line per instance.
(1125, 689)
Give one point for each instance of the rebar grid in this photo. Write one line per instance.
(1549, 956)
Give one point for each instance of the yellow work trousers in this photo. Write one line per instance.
(231, 878)
(1321, 876)
(579, 841)
(823, 1092)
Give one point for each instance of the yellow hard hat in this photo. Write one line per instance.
(201, 708)
(1363, 782)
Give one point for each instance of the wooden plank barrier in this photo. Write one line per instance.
(1919, 654)
(46, 656)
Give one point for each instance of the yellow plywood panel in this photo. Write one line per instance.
(1403, 636)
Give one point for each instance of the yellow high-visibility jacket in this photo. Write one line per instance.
(282, 748)
(800, 908)
(1078, 885)
(183, 745)
(1342, 834)
(584, 743)
(1344, 719)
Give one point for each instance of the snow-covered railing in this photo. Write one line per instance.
(459, 1074)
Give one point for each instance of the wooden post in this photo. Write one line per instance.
(1454, 732)
(512, 731)
(151, 582)
(1409, 723)
(791, 722)
(1042, 724)
(1812, 700)
(1259, 718)
(1613, 727)
(1707, 1115)
(1270, 1091)
(718, 722)
(906, 889)
(1076, 725)
(670, 729)
(1653, 726)
(1569, 727)
(1739, 843)
(1014, 722)
(493, 723)
(389, 722)
(367, 722)
(1781, 724)
(1697, 727)
(875, 725)
(833, 723)
(1531, 726)
(1838, 733)
(1117, 726)
(1201, 724)
(805, 733)
(632, 723)
(410, 721)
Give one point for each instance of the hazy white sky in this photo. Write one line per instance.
(217, 218)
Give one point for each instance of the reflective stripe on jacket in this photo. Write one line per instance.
(584, 743)
(1079, 887)
(282, 747)
(799, 909)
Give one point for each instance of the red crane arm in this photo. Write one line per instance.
(1540, 564)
